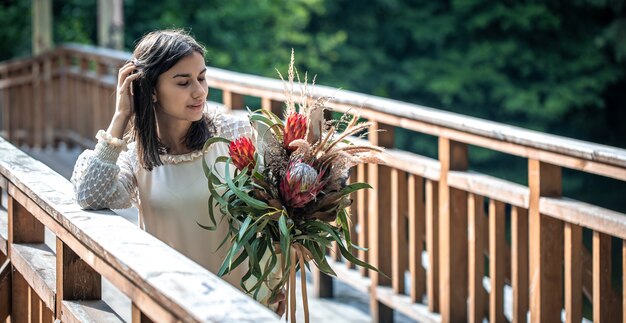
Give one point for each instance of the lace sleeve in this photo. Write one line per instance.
(104, 177)
(232, 127)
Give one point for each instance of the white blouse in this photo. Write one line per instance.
(172, 199)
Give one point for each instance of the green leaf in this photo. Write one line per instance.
(354, 187)
(242, 195)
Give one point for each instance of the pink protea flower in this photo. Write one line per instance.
(241, 150)
(295, 128)
(300, 185)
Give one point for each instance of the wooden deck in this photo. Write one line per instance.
(348, 305)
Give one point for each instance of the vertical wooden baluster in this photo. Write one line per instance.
(379, 223)
(573, 273)
(602, 297)
(399, 241)
(23, 228)
(452, 234)
(363, 214)
(496, 260)
(519, 263)
(33, 306)
(432, 244)
(47, 102)
(83, 121)
(137, 316)
(98, 104)
(75, 279)
(417, 223)
(476, 218)
(64, 101)
(354, 221)
(5, 290)
(546, 245)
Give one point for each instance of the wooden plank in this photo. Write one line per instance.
(276, 107)
(417, 228)
(490, 187)
(75, 279)
(432, 244)
(379, 222)
(452, 234)
(34, 305)
(37, 265)
(546, 245)
(573, 273)
(496, 260)
(399, 248)
(519, 263)
(5, 290)
(19, 298)
(96, 311)
(138, 316)
(362, 215)
(602, 297)
(476, 266)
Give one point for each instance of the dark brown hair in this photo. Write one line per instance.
(155, 53)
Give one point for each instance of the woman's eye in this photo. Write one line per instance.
(202, 79)
(183, 84)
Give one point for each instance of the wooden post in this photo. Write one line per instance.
(573, 273)
(399, 241)
(432, 244)
(19, 298)
(42, 25)
(23, 226)
(380, 223)
(417, 222)
(476, 266)
(111, 24)
(519, 263)
(75, 279)
(452, 234)
(546, 245)
(496, 260)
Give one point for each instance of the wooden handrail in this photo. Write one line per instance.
(160, 282)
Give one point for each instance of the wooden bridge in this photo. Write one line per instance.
(435, 227)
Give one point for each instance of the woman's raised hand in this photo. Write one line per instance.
(124, 100)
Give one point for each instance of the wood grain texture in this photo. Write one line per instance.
(602, 293)
(36, 264)
(519, 263)
(496, 261)
(399, 238)
(546, 245)
(573, 273)
(417, 236)
(432, 244)
(452, 234)
(476, 260)
(5, 290)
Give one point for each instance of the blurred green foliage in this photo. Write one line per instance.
(554, 66)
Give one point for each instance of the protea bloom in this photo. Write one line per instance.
(300, 185)
(295, 128)
(241, 151)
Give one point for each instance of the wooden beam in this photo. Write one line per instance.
(573, 273)
(452, 234)
(417, 223)
(399, 241)
(546, 245)
(497, 243)
(476, 258)
(519, 263)
(432, 244)
(380, 223)
(602, 293)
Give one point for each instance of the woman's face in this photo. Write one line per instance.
(181, 91)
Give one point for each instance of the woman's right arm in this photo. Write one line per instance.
(101, 180)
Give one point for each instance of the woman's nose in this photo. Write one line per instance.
(199, 92)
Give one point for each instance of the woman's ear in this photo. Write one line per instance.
(154, 96)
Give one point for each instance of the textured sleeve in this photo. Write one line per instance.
(232, 126)
(104, 177)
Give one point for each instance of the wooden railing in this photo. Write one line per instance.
(431, 218)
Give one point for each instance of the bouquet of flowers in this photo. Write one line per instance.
(285, 198)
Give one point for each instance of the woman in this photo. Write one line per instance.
(162, 93)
